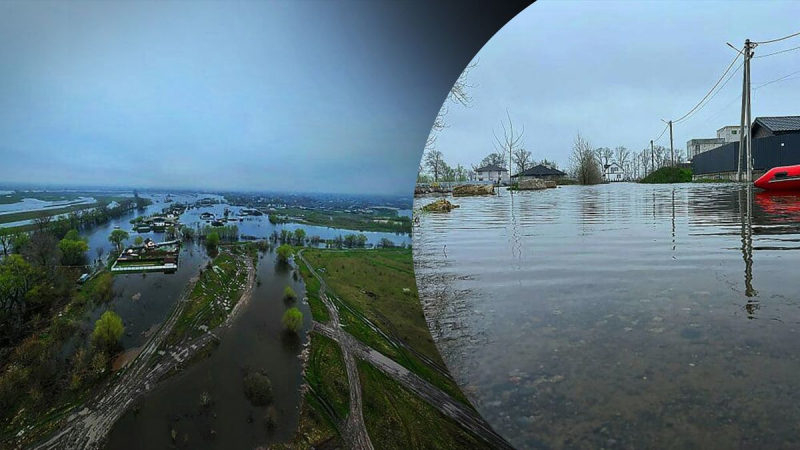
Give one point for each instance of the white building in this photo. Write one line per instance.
(493, 173)
(696, 146)
(729, 133)
(613, 172)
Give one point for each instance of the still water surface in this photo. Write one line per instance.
(622, 315)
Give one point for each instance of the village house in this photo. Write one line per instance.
(613, 172)
(541, 172)
(493, 173)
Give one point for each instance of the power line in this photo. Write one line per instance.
(715, 93)
(779, 39)
(710, 91)
(777, 53)
(662, 133)
(783, 78)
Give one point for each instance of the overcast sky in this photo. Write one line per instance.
(613, 70)
(215, 95)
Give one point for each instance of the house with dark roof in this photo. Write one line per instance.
(494, 173)
(775, 126)
(541, 171)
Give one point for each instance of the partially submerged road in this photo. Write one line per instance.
(355, 432)
(88, 427)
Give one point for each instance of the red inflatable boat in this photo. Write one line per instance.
(780, 179)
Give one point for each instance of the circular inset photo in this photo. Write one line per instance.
(606, 226)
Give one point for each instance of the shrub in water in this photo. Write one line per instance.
(292, 320)
(258, 388)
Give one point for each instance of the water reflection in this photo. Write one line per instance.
(614, 316)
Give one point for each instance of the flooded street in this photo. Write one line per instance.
(621, 315)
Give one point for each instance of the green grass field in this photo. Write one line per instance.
(397, 419)
(379, 285)
(327, 377)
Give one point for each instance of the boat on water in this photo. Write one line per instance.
(783, 178)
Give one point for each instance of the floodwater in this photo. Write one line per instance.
(621, 315)
(260, 227)
(255, 341)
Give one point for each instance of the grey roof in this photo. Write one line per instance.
(777, 124)
(492, 167)
(539, 171)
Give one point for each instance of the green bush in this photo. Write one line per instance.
(292, 320)
(284, 253)
(289, 293)
(669, 175)
(258, 388)
(108, 330)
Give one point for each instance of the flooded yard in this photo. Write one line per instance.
(621, 315)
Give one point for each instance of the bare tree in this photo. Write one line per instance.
(434, 162)
(622, 156)
(585, 166)
(603, 155)
(522, 159)
(511, 140)
(459, 95)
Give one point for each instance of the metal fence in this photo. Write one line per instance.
(768, 152)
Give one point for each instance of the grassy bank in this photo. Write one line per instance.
(326, 402)
(216, 293)
(666, 175)
(31, 215)
(318, 310)
(389, 407)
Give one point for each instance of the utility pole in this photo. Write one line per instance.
(652, 157)
(748, 54)
(671, 148)
(745, 132)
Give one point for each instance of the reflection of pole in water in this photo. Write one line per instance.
(746, 213)
(673, 223)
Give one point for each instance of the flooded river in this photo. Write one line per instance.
(622, 315)
(255, 341)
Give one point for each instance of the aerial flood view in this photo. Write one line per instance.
(592, 285)
(186, 264)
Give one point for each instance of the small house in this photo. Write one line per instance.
(493, 173)
(613, 172)
(541, 172)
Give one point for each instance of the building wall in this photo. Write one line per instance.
(696, 146)
(494, 175)
(730, 134)
(768, 152)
